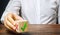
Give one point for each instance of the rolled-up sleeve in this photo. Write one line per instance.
(13, 6)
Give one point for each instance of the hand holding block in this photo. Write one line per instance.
(22, 26)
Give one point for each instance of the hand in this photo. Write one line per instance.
(9, 21)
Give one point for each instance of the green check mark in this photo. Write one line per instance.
(24, 26)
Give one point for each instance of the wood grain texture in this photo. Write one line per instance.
(36, 29)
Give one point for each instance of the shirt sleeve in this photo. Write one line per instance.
(13, 6)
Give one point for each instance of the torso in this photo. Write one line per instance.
(39, 11)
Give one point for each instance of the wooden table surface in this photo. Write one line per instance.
(35, 29)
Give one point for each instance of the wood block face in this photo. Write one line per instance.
(22, 26)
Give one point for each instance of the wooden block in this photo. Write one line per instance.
(22, 26)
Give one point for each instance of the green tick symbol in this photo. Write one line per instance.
(24, 26)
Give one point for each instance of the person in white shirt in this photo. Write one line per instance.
(34, 11)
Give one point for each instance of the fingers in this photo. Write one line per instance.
(11, 20)
(12, 17)
(8, 24)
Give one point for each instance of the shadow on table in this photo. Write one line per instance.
(12, 33)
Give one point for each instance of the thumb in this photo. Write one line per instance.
(17, 17)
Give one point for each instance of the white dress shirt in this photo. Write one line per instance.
(35, 11)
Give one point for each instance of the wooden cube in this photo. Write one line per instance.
(22, 26)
